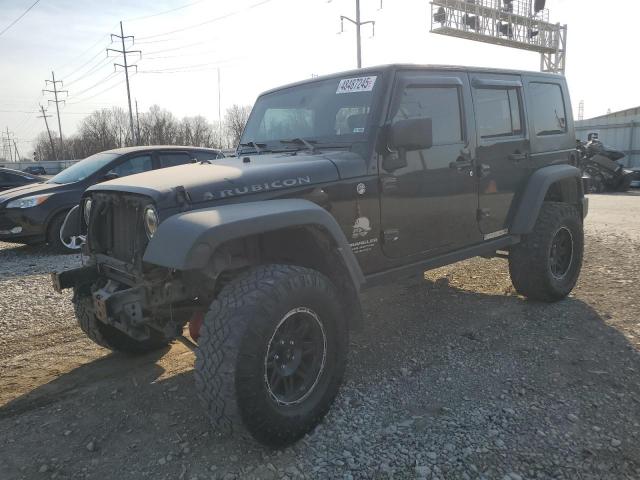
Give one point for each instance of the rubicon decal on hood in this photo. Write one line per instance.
(263, 187)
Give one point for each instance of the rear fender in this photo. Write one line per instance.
(535, 192)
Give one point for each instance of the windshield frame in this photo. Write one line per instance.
(335, 141)
(109, 163)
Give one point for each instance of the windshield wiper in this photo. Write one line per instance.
(259, 147)
(308, 144)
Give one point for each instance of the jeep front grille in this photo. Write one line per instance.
(116, 226)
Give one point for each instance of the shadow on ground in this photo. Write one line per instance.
(124, 418)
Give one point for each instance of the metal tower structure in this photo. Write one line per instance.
(522, 24)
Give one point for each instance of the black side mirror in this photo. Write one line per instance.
(404, 136)
(412, 134)
(110, 176)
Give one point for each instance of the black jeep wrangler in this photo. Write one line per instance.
(340, 183)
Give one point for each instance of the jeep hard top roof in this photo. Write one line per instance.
(411, 66)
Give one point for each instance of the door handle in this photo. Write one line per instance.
(517, 156)
(461, 163)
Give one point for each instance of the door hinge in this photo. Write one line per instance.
(391, 235)
(483, 213)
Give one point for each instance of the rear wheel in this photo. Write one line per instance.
(108, 336)
(546, 264)
(272, 353)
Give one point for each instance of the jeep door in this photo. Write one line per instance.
(503, 148)
(429, 199)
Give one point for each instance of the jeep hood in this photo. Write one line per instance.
(230, 178)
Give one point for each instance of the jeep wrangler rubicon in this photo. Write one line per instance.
(340, 183)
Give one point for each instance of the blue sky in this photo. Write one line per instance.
(259, 45)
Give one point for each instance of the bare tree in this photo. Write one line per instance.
(235, 119)
(107, 129)
(159, 127)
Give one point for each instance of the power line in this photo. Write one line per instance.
(108, 77)
(19, 18)
(104, 62)
(207, 22)
(135, 19)
(99, 93)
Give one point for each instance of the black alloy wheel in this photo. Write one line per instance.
(295, 357)
(561, 252)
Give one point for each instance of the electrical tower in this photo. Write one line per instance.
(581, 110)
(55, 92)
(358, 23)
(7, 149)
(522, 24)
(45, 116)
(124, 52)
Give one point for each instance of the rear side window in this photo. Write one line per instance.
(133, 165)
(498, 112)
(441, 104)
(171, 159)
(547, 104)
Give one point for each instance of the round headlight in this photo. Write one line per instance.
(150, 221)
(87, 211)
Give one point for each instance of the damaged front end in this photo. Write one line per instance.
(127, 293)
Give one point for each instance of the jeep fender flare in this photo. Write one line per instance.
(186, 241)
(535, 192)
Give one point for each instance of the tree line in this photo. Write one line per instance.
(109, 128)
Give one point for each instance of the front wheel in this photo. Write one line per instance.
(546, 264)
(272, 353)
(62, 243)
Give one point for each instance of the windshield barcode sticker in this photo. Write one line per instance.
(360, 84)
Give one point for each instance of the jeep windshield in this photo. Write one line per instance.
(327, 113)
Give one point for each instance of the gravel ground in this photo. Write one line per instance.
(453, 377)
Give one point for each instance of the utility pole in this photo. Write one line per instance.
(220, 108)
(17, 153)
(55, 92)
(358, 23)
(137, 121)
(45, 116)
(6, 145)
(126, 67)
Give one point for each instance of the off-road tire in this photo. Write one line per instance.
(108, 336)
(236, 337)
(530, 262)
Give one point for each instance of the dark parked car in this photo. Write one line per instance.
(341, 183)
(35, 213)
(35, 170)
(15, 178)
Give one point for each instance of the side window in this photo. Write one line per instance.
(547, 104)
(171, 159)
(4, 178)
(441, 104)
(133, 165)
(498, 112)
